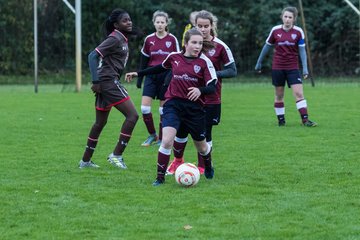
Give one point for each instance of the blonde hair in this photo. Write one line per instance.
(192, 17)
(159, 13)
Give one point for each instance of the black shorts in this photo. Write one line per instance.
(213, 114)
(112, 93)
(155, 85)
(186, 117)
(291, 77)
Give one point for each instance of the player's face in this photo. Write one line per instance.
(124, 24)
(204, 26)
(288, 19)
(160, 23)
(193, 46)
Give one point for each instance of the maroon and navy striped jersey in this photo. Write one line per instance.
(157, 49)
(188, 72)
(114, 54)
(286, 54)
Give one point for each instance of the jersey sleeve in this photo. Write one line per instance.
(226, 55)
(145, 49)
(176, 42)
(167, 62)
(209, 71)
(301, 42)
(271, 38)
(108, 46)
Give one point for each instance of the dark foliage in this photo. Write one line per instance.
(332, 30)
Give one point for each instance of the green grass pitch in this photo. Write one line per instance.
(270, 183)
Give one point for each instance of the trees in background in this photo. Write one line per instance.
(333, 31)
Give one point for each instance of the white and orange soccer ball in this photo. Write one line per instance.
(187, 175)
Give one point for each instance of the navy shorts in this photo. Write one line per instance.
(213, 114)
(155, 85)
(280, 77)
(186, 117)
(112, 94)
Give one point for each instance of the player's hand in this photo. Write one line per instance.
(305, 73)
(96, 88)
(258, 67)
(193, 94)
(129, 76)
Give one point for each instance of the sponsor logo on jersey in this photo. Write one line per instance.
(159, 52)
(185, 77)
(279, 35)
(287, 43)
(177, 63)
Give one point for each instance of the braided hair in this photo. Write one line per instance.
(114, 17)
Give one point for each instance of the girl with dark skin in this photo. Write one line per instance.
(106, 63)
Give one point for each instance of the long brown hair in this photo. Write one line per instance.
(211, 17)
(293, 10)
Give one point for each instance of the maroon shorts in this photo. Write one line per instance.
(112, 94)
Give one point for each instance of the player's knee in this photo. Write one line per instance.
(99, 125)
(299, 95)
(133, 117)
(166, 143)
(279, 97)
(145, 109)
(205, 149)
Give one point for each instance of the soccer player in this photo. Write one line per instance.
(193, 77)
(289, 43)
(224, 63)
(106, 63)
(157, 46)
(189, 26)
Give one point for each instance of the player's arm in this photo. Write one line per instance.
(93, 60)
(263, 53)
(144, 60)
(152, 70)
(209, 89)
(147, 71)
(303, 58)
(228, 71)
(194, 92)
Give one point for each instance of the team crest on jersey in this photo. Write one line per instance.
(293, 36)
(168, 44)
(197, 68)
(211, 52)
